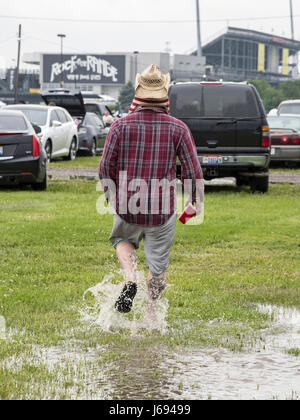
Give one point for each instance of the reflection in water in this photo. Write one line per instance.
(156, 372)
(264, 372)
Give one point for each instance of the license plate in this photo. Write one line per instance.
(1, 150)
(212, 160)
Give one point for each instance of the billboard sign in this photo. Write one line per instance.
(83, 68)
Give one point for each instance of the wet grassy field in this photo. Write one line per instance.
(54, 246)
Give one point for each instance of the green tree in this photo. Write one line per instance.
(126, 95)
(291, 89)
(271, 97)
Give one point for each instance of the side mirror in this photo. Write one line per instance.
(56, 124)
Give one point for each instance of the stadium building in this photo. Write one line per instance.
(237, 54)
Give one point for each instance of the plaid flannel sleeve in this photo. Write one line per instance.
(191, 172)
(108, 166)
(108, 163)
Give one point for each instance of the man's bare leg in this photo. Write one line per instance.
(158, 290)
(126, 254)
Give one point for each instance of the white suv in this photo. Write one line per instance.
(59, 133)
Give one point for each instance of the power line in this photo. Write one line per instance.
(182, 21)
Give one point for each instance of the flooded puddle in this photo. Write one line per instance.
(268, 370)
(264, 372)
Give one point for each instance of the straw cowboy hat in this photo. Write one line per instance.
(152, 83)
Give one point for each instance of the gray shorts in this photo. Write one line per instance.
(158, 241)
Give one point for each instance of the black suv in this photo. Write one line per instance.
(229, 125)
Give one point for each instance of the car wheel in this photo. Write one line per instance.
(48, 150)
(260, 183)
(93, 149)
(40, 186)
(73, 150)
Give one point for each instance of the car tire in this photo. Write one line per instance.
(48, 150)
(260, 184)
(93, 149)
(40, 186)
(73, 150)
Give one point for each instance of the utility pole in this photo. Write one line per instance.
(61, 36)
(18, 65)
(292, 19)
(199, 49)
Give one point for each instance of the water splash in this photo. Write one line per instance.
(144, 315)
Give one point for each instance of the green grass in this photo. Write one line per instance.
(54, 246)
(79, 162)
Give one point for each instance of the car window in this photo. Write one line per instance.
(284, 122)
(68, 116)
(35, 116)
(103, 109)
(61, 115)
(215, 101)
(97, 120)
(185, 101)
(53, 117)
(289, 109)
(11, 122)
(92, 108)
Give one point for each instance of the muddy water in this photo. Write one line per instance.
(266, 371)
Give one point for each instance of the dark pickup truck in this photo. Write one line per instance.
(230, 129)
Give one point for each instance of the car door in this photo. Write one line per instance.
(56, 133)
(64, 145)
(100, 131)
(71, 128)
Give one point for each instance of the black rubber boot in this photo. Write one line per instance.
(125, 301)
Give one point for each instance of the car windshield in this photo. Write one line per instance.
(215, 101)
(284, 122)
(11, 122)
(35, 116)
(289, 109)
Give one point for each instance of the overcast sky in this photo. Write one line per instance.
(171, 21)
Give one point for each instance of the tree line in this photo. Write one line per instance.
(272, 96)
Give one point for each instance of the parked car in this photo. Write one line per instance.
(285, 138)
(58, 134)
(91, 131)
(289, 107)
(229, 125)
(22, 156)
(98, 108)
(92, 134)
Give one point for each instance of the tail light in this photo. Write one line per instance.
(296, 140)
(284, 140)
(35, 147)
(266, 139)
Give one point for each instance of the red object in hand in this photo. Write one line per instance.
(188, 214)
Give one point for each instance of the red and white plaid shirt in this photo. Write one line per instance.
(145, 145)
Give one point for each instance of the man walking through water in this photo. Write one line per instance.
(138, 173)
